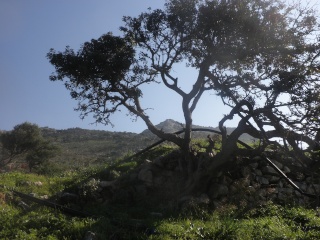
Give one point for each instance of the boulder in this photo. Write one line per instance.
(245, 172)
(218, 190)
(272, 178)
(89, 236)
(268, 170)
(286, 169)
(278, 164)
(262, 180)
(146, 176)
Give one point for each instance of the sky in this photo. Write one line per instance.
(29, 28)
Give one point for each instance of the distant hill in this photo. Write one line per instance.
(171, 126)
(82, 147)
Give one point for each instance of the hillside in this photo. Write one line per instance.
(82, 147)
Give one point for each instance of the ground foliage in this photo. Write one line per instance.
(135, 221)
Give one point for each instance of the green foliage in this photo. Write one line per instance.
(125, 167)
(40, 224)
(40, 154)
(88, 189)
(23, 138)
(103, 64)
(26, 141)
(134, 221)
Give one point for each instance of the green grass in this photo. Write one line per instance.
(123, 221)
(135, 222)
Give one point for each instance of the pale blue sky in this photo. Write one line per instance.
(29, 28)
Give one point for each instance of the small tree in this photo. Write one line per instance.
(259, 56)
(41, 154)
(25, 140)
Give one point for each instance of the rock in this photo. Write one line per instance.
(286, 170)
(309, 180)
(245, 172)
(297, 193)
(89, 236)
(133, 176)
(310, 190)
(317, 187)
(254, 165)
(190, 202)
(257, 158)
(299, 176)
(185, 198)
(25, 183)
(203, 199)
(280, 184)
(262, 180)
(67, 198)
(105, 174)
(122, 196)
(217, 174)
(155, 214)
(38, 184)
(258, 172)
(272, 190)
(44, 197)
(159, 181)
(147, 162)
(262, 193)
(146, 176)
(268, 170)
(216, 204)
(158, 161)
(33, 194)
(279, 165)
(218, 190)
(106, 184)
(140, 190)
(287, 191)
(302, 186)
(23, 205)
(273, 179)
(225, 180)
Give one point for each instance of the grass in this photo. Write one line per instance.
(135, 222)
(123, 221)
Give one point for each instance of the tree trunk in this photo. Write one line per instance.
(198, 182)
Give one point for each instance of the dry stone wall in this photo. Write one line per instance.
(247, 182)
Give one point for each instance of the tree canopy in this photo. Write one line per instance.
(260, 56)
(25, 140)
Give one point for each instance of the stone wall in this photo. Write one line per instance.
(249, 181)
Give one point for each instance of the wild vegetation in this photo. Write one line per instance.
(25, 144)
(146, 219)
(261, 57)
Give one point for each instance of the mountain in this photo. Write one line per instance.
(168, 126)
(171, 126)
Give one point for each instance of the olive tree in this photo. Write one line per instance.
(260, 56)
